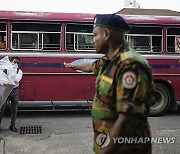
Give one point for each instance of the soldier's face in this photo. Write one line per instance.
(99, 40)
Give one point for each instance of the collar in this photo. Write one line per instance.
(115, 54)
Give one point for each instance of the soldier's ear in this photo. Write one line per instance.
(107, 33)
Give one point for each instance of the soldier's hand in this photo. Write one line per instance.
(69, 65)
(5, 71)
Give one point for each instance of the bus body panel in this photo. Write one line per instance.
(46, 79)
(169, 71)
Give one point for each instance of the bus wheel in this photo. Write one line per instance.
(161, 100)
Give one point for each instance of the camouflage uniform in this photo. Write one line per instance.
(123, 83)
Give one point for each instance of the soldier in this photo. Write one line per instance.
(124, 83)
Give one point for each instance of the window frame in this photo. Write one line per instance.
(40, 44)
(128, 35)
(174, 35)
(75, 33)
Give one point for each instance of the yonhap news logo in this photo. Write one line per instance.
(143, 140)
(103, 139)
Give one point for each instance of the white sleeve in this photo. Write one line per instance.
(18, 76)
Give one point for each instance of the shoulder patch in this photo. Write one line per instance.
(129, 80)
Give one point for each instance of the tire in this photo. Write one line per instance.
(161, 101)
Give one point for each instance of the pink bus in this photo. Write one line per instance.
(45, 40)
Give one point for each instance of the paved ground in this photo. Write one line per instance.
(71, 133)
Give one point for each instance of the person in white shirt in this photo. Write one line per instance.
(15, 75)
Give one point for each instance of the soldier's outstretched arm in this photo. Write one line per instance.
(86, 67)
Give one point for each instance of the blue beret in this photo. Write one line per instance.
(112, 21)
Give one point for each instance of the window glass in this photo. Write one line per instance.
(39, 36)
(50, 41)
(2, 35)
(84, 28)
(79, 37)
(25, 41)
(140, 43)
(173, 31)
(173, 39)
(84, 42)
(177, 44)
(145, 30)
(45, 27)
(156, 43)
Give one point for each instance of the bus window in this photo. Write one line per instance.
(36, 36)
(79, 37)
(140, 43)
(2, 35)
(173, 39)
(145, 39)
(177, 44)
(84, 41)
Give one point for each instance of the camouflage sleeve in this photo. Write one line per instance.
(97, 64)
(131, 90)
